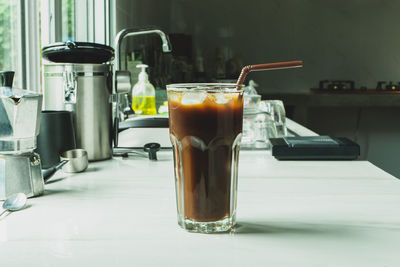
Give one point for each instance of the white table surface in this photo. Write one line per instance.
(121, 212)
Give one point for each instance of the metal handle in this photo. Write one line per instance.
(47, 174)
(69, 85)
(6, 78)
(4, 211)
(123, 81)
(70, 44)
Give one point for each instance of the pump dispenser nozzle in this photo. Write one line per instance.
(143, 76)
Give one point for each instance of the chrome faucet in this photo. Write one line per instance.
(121, 79)
(166, 45)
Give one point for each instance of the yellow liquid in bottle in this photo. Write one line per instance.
(144, 105)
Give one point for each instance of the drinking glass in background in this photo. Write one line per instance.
(258, 127)
(250, 110)
(251, 102)
(276, 110)
(205, 122)
(264, 129)
(265, 120)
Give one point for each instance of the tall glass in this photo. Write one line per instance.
(205, 123)
(276, 110)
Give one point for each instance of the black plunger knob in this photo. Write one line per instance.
(152, 149)
(6, 78)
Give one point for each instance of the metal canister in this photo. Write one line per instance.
(84, 89)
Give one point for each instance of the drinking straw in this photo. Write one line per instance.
(268, 66)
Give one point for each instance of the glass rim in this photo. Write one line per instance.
(210, 87)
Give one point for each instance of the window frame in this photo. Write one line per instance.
(31, 57)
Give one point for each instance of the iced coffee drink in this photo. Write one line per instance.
(205, 122)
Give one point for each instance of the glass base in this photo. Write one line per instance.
(220, 226)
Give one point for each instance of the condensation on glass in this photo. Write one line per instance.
(205, 131)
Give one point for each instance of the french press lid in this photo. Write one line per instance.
(78, 52)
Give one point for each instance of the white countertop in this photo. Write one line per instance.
(122, 212)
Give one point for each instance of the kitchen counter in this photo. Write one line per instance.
(121, 212)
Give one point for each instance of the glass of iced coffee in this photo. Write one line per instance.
(205, 122)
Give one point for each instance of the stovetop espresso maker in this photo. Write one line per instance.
(20, 168)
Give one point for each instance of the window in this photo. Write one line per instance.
(19, 45)
(83, 20)
(10, 39)
(28, 25)
(68, 20)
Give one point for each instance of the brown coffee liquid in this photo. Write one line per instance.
(204, 135)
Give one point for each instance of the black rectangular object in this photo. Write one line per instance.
(314, 148)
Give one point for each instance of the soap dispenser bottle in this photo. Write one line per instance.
(143, 94)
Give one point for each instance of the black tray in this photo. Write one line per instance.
(309, 148)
